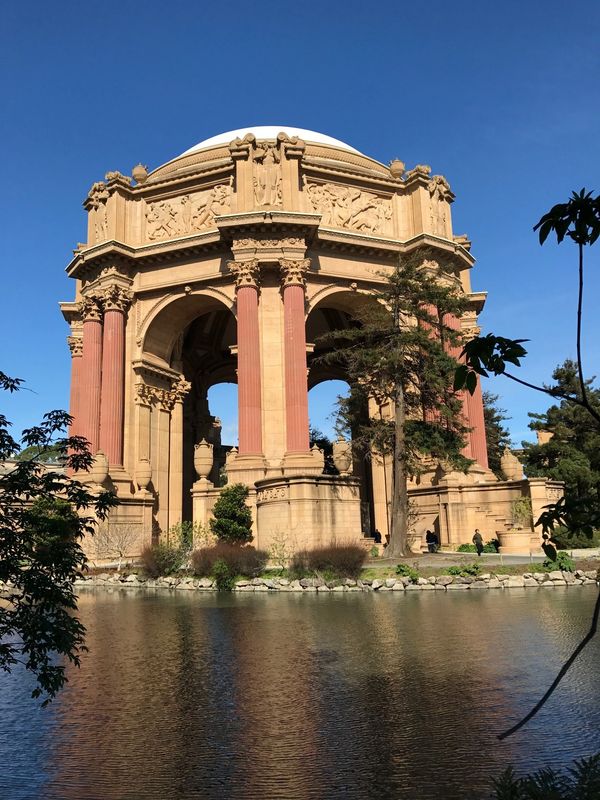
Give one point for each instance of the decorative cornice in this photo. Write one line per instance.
(246, 273)
(293, 271)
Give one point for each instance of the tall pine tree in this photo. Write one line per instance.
(497, 436)
(401, 355)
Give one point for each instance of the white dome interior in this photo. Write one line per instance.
(269, 132)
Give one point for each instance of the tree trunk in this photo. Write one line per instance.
(398, 544)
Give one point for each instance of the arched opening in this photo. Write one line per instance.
(338, 311)
(194, 336)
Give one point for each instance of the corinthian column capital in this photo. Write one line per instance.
(75, 345)
(90, 308)
(246, 273)
(115, 298)
(293, 271)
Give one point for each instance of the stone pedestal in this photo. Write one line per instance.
(311, 462)
(310, 511)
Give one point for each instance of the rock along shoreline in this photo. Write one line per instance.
(444, 583)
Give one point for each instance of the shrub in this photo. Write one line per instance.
(246, 561)
(489, 547)
(232, 519)
(563, 562)
(406, 571)
(581, 781)
(573, 541)
(224, 579)
(161, 559)
(465, 570)
(338, 560)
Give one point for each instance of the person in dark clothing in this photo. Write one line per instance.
(432, 541)
(478, 541)
(376, 536)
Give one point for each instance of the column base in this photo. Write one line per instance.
(309, 462)
(247, 468)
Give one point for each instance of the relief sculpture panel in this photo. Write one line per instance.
(348, 207)
(179, 216)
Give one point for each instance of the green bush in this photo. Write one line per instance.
(224, 579)
(406, 571)
(563, 562)
(582, 782)
(337, 560)
(161, 559)
(489, 547)
(465, 570)
(232, 519)
(566, 541)
(241, 560)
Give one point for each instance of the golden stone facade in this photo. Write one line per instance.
(226, 264)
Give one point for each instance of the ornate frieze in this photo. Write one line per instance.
(263, 244)
(293, 271)
(165, 399)
(246, 273)
(179, 216)
(348, 207)
(274, 493)
(146, 395)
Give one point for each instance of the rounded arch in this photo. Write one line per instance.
(173, 314)
(344, 299)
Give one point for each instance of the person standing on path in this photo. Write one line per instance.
(478, 541)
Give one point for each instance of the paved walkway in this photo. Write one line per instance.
(446, 558)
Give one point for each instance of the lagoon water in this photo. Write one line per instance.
(193, 695)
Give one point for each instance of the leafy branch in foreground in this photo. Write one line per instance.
(42, 523)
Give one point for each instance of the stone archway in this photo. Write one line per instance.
(191, 343)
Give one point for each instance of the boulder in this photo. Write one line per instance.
(494, 583)
(515, 582)
(444, 580)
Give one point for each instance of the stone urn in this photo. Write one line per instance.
(139, 173)
(342, 456)
(98, 472)
(143, 474)
(511, 466)
(397, 168)
(514, 541)
(203, 459)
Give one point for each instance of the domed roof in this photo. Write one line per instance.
(268, 132)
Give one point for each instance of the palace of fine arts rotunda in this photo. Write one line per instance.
(226, 265)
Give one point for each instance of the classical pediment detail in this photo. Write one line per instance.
(179, 216)
(348, 207)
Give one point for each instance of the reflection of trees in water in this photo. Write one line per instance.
(293, 696)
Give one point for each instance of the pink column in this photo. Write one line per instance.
(91, 372)
(248, 346)
(76, 347)
(477, 423)
(113, 376)
(296, 387)
(453, 322)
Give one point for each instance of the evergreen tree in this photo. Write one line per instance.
(573, 453)
(232, 519)
(497, 436)
(401, 355)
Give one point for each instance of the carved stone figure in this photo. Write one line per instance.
(267, 177)
(439, 189)
(347, 207)
(168, 218)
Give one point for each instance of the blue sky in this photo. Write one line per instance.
(501, 98)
